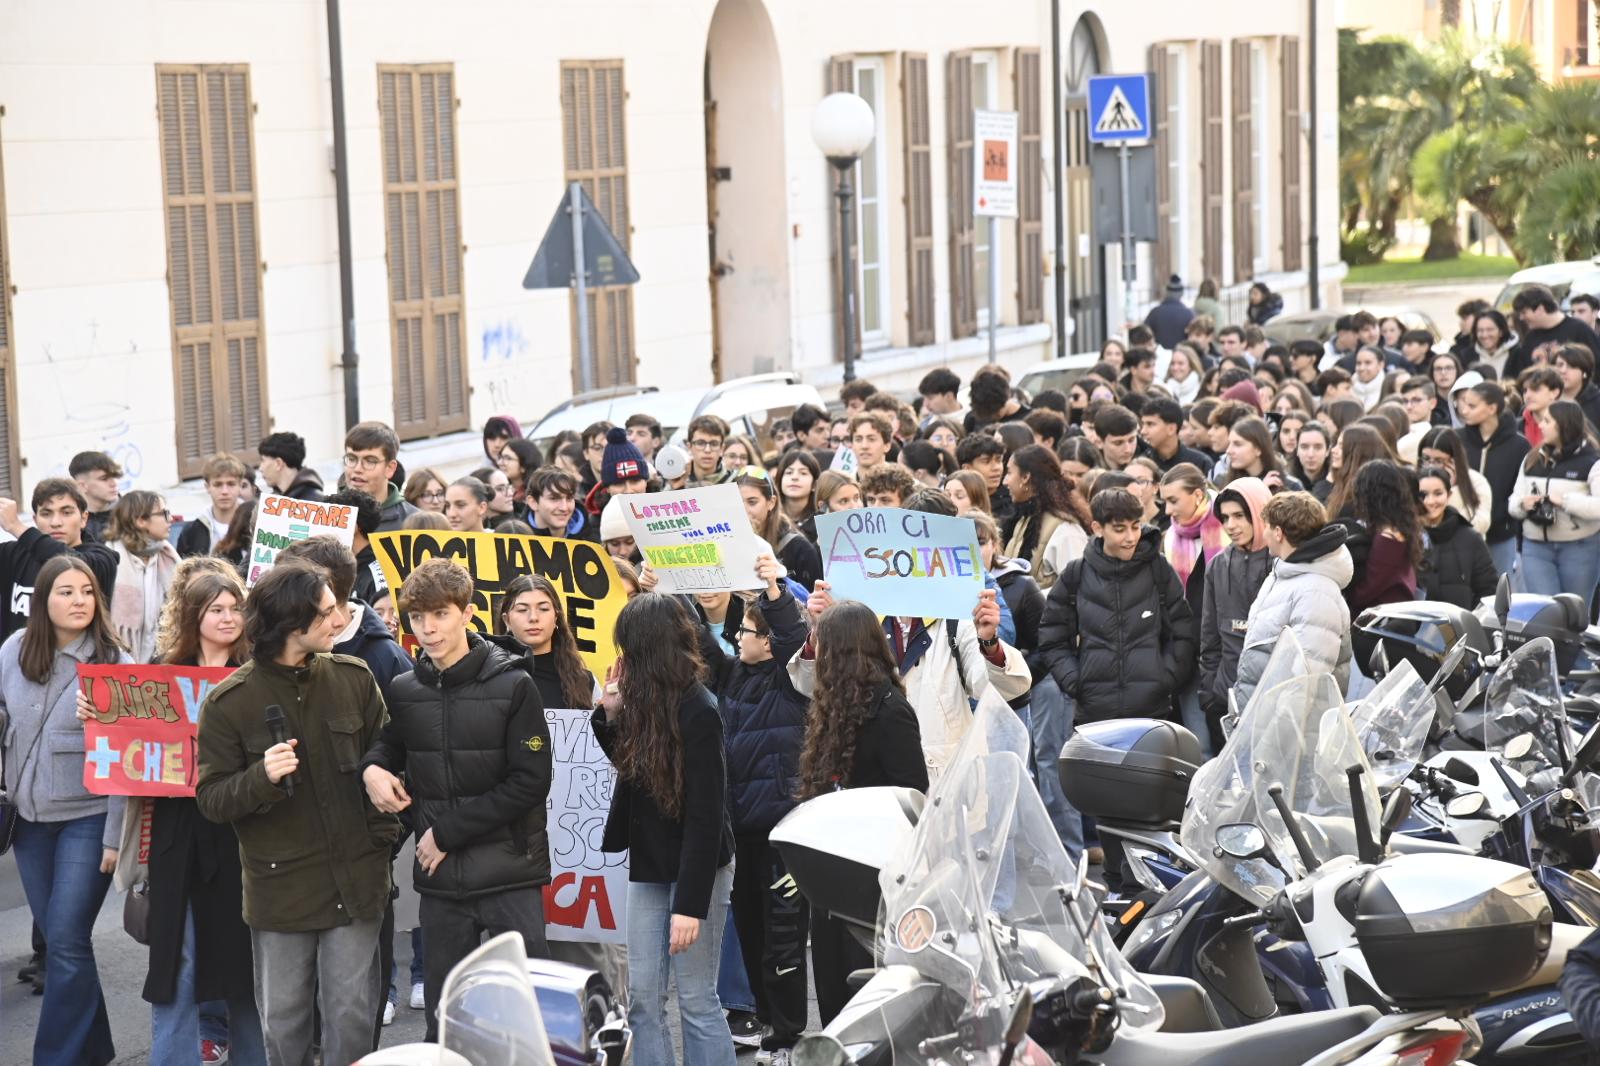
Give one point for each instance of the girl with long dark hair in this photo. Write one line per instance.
(1386, 537)
(1496, 450)
(968, 491)
(1310, 462)
(1253, 453)
(1458, 568)
(798, 471)
(767, 518)
(67, 839)
(660, 728)
(1557, 496)
(1470, 492)
(530, 611)
(861, 732)
(1046, 505)
(1357, 446)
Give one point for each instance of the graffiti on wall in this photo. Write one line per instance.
(96, 405)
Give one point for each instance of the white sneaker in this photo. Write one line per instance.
(388, 1012)
(418, 1000)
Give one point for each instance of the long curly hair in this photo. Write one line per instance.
(1386, 498)
(577, 683)
(660, 658)
(853, 662)
(178, 638)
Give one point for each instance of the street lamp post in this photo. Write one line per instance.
(843, 126)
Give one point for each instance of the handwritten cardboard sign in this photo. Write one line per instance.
(587, 896)
(282, 520)
(592, 595)
(902, 563)
(141, 740)
(696, 540)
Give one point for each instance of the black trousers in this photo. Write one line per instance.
(836, 954)
(454, 928)
(771, 916)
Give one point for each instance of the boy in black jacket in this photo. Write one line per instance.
(468, 729)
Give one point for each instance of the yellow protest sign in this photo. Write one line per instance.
(592, 595)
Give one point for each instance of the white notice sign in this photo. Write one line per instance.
(994, 153)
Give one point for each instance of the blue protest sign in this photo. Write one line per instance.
(1119, 108)
(903, 563)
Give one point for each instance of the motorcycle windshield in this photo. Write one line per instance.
(984, 898)
(1524, 700)
(488, 1012)
(1288, 660)
(1296, 736)
(1393, 722)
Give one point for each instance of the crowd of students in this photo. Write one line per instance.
(1147, 536)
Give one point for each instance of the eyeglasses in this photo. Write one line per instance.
(597, 446)
(838, 442)
(500, 489)
(163, 513)
(747, 631)
(434, 496)
(365, 462)
(700, 444)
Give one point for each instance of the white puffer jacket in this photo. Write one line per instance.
(1303, 594)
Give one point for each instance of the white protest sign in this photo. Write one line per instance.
(994, 179)
(587, 897)
(281, 520)
(696, 540)
(845, 462)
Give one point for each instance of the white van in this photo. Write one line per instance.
(1564, 280)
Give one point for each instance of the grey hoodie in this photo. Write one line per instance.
(1302, 594)
(47, 786)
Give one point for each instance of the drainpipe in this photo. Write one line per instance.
(349, 361)
(1058, 147)
(1314, 267)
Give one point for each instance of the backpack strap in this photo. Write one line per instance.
(785, 540)
(950, 627)
(1072, 577)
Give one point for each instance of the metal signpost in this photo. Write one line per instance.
(994, 191)
(1119, 114)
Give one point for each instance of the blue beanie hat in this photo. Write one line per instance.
(622, 462)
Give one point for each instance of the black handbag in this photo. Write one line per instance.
(136, 913)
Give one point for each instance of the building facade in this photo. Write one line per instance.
(169, 282)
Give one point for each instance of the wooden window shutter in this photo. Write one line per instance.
(594, 102)
(10, 474)
(1158, 66)
(841, 78)
(1030, 179)
(958, 126)
(422, 217)
(213, 262)
(918, 136)
(1244, 172)
(1211, 157)
(1293, 235)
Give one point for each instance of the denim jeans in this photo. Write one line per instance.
(1051, 713)
(1504, 554)
(176, 1028)
(1565, 566)
(1194, 716)
(706, 1038)
(59, 863)
(332, 969)
(733, 983)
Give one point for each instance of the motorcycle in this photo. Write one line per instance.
(990, 949)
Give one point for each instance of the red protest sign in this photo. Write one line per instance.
(141, 739)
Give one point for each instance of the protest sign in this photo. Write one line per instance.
(696, 540)
(903, 563)
(592, 595)
(587, 896)
(844, 461)
(141, 739)
(281, 520)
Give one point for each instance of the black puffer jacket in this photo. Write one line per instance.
(475, 748)
(1119, 636)
(1457, 567)
(1499, 460)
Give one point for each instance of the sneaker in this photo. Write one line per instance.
(781, 1056)
(213, 1052)
(388, 1012)
(418, 999)
(746, 1028)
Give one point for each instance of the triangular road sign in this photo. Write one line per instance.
(1118, 116)
(605, 261)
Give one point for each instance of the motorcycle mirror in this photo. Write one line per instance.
(1519, 746)
(1461, 770)
(1241, 840)
(1017, 1028)
(1466, 805)
(819, 1049)
(1502, 599)
(1395, 811)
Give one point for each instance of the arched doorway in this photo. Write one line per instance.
(1086, 260)
(746, 177)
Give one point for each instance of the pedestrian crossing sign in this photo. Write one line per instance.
(1119, 108)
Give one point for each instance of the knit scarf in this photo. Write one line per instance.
(1184, 544)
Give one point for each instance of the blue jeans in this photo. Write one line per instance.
(1566, 566)
(176, 1028)
(733, 984)
(706, 1038)
(60, 867)
(1051, 714)
(1504, 554)
(1194, 716)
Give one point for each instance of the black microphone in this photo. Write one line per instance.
(276, 725)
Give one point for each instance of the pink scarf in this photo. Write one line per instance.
(1184, 543)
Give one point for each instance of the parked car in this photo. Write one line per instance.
(1318, 325)
(1056, 373)
(1564, 280)
(751, 404)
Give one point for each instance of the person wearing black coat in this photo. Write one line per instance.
(1118, 634)
(468, 729)
(1457, 567)
(1496, 450)
(1580, 989)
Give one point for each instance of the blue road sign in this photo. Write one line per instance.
(1119, 108)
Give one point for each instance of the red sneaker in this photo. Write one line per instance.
(213, 1052)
